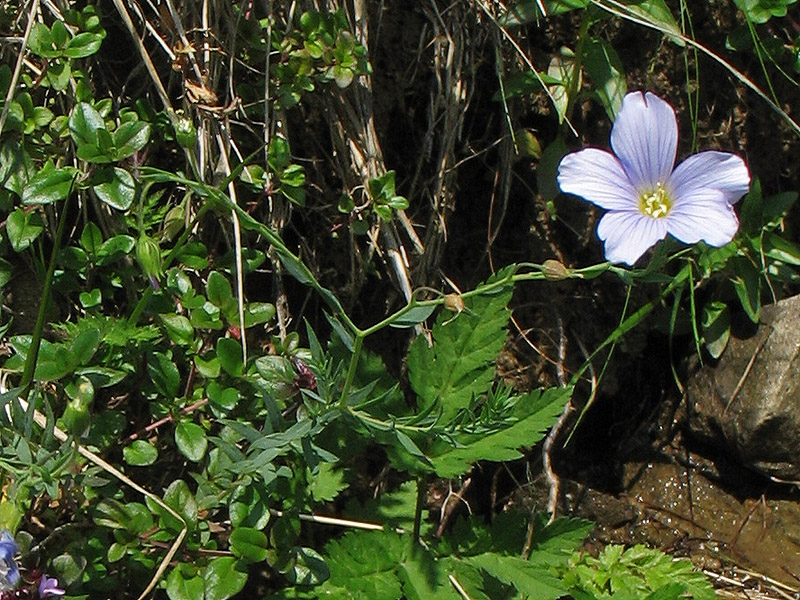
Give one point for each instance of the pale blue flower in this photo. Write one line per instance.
(48, 586)
(646, 196)
(9, 573)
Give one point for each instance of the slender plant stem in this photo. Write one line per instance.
(418, 507)
(351, 369)
(36, 339)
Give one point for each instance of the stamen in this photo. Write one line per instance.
(656, 204)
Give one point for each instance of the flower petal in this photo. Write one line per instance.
(720, 171)
(628, 234)
(597, 176)
(704, 215)
(645, 138)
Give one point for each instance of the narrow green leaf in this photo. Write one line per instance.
(413, 317)
(658, 13)
(85, 345)
(605, 69)
(164, 374)
(716, 322)
(747, 283)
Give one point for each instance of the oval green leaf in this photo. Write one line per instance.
(191, 440)
(140, 453)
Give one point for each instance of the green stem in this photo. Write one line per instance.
(633, 320)
(137, 311)
(418, 507)
(36, 338)
(351, 369)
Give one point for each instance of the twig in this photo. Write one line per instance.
(61, 436)
(12, 87)
(461, 591)
(449, 505)
(163, 421)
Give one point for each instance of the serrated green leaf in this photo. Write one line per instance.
(460, 365)
(539, 412)
(535, 581)
(424, 577)
(362, 566)
(327, 483)
(552, 543)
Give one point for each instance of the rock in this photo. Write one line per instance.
(749, 401)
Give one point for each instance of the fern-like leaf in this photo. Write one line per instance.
(530, 579)
(534, 413)
(460, 364)
(363, 566)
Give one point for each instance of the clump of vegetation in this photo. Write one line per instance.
(236, 362)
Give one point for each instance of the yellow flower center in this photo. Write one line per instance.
(657, 203)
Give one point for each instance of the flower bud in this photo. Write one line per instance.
(454, 303)
(554, 270)
(185, 132)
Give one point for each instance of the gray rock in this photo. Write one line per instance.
(749, 401)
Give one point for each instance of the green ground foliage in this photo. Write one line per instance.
(259, 261)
